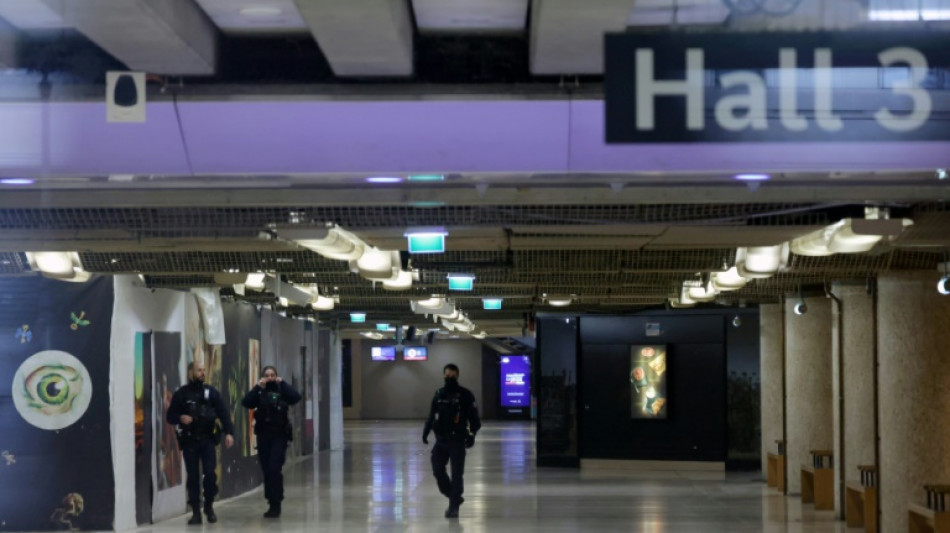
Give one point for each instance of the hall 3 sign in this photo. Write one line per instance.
(712, 87)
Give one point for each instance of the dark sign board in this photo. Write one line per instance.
(775, 87)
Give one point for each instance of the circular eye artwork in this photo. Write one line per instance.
(51, 389)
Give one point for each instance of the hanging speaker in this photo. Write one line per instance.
(411, 334)
(430, 337)
(398, 335)
(125, 96)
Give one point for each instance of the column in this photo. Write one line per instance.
(771, 349)
(808, 377)
(913, 391)
(857, 432)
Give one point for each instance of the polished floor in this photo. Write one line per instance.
(381, 482)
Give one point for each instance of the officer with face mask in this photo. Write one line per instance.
(195, 407)
(453, 416)
(271, 399)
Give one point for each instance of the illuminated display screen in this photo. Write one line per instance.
(383, 353)
(648, 381)
(515, 381)
(415, 353)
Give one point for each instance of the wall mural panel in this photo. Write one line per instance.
(55, 451)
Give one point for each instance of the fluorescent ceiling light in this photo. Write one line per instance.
(848, 236)
(261, 12)
(336, 243)
(255, 281)
(17, 181)
(431, 303)
(284, 302)
(491, 303)
(702, 293)
(761, 261)
(752, 177)
(378, 265)
(461, 282)
(323, 303)
(729, 280)
(890, 15)
(402, 281)
(558, 300)
(64, 266)
(384, 179)
(357, 318)
(372, 335)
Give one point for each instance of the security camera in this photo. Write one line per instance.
(801, 308)
(943, 286)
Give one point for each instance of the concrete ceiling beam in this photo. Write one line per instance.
(567, 36)
(362, 37)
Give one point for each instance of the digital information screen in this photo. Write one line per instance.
(415, 353)
(648, 381)
(383, 353)
(515, 381)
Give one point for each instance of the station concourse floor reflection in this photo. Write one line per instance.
(381, 482)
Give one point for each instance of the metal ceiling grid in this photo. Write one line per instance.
(191, 221)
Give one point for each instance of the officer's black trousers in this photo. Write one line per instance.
(194, 452)
(443, 452)
(271, 452)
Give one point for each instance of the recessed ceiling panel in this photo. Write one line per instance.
(471, 15)
(254, 16)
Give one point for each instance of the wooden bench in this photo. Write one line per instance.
(935, 518)
(775, 465)
(861, 500)
(818, 480)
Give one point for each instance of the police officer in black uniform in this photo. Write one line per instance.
(195, 407)
(454, 418)
(271, 399)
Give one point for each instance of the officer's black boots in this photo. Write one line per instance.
(196, 516)
(273, 511)
(209, 511)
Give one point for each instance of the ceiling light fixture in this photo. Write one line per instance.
(760, 262)
(941, 173)
(255, 281)
(377, 265)
(261, 12)
(730, 280)
(704, 292)
(558, 300)
(402, 281)
(332, 242)
(64, 266)
(323, 303)
(752, 177)
(17, 181)
(848, 236)
(384, 179)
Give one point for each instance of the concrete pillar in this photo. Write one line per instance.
(914, 391)
(808, 384)
(771, 349)
(854, 413)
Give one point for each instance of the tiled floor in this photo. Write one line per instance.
(382, 482)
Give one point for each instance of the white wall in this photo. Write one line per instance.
(403, 389)
(137, 310)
